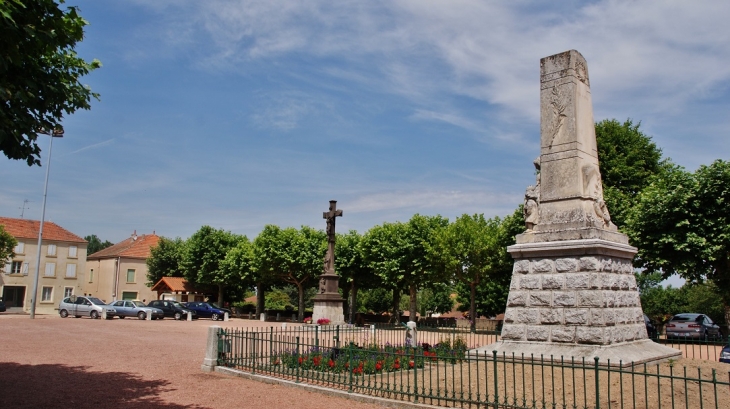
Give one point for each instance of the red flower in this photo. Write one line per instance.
(301, 360)
(396, 365)
(410, 364)
(317, 360)
(331, 363)
(379, 366)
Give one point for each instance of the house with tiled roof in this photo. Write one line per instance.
(119, 272)
(62, 265)
(178, 289)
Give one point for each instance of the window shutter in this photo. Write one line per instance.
(8, 266)
(72, 251)
(70, 270)
(25, 269)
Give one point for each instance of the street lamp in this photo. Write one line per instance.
(55, 133)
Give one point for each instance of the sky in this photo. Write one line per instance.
(238, 114)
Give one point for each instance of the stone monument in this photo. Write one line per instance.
(573, 292)
(328, 302)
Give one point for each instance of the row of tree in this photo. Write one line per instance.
(426, 252)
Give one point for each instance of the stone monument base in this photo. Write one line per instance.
(617, 355)
(332, 310)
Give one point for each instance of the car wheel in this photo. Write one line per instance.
(63, 313)
(141, 315)
(178, 316)
(94, 315)
(214, 317)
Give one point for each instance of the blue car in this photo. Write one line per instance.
(725, 354)
(205, 310)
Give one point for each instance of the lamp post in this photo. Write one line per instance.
(55, 133)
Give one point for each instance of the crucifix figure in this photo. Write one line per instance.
(329, 259)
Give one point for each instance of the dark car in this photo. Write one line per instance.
(173, 309)
(2, 305)
(205, 310)
(691, 325)
(725, 354)
(650, 328)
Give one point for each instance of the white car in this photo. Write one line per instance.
(91, 307)
(137, 309)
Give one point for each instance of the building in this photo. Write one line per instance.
(178, 289)
(119, 272)
(62, 266)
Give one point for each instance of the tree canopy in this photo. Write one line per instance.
(203, 256)
(39, 73)
(165, 260)
(7, 245)
(95, 244)
(628, 160)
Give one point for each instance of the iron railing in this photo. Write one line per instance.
(441, 371)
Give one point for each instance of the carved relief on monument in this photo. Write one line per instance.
(558, 104)
(593, 188)
(532, 200)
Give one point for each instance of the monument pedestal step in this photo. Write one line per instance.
(617, 355)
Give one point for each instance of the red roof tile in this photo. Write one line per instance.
(28, 229)
(133, 247)
(174, 284)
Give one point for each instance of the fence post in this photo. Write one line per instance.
(298, 356)
(496, 383)
(415, 374)
(254, 353)
(211, 350)
(598, 398)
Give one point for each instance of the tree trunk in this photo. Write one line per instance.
(473, 306)
(300, 314)
(396, 303)
(414, 304)
(260, 300)
(346, 303)
(353, 302)
(220, 295)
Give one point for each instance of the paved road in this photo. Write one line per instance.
(52, 362)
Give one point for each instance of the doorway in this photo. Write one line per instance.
(14, 296)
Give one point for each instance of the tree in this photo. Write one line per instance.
(39, 73)
(294, 256)
(239, 264)
(95, 244)
(204, 252)
(7, 246)
(352, 269)
(436, 299)
(628, 159)
(681, 225)
(165, 260)
(384, 251)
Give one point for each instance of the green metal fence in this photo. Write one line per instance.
(440, 371)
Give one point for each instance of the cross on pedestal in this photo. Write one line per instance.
(328, 302)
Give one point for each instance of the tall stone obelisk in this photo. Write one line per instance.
(573, 292)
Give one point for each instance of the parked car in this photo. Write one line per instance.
(224, 309)
(172, 309)
(79, 306)
(137, 309)
(2, 305)
(691, 325)
(650, 328)
(725, 354)
(205, 310)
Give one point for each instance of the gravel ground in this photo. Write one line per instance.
(52, 362)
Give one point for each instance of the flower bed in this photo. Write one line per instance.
(371, 359)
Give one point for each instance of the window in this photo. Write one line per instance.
(50, 270)
(130, 275)
(70, 270)
(47, 294)
(68, 292)
(72, 251)
(17, 267)
(51, 249)
(129, 295)
(20, 248)
(25, 268)
(91, 275)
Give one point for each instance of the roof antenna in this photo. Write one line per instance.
(134, 235)
(25, 202)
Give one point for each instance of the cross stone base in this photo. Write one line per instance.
(576, 298)
(332, 310)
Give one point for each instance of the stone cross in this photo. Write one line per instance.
(329, 260)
